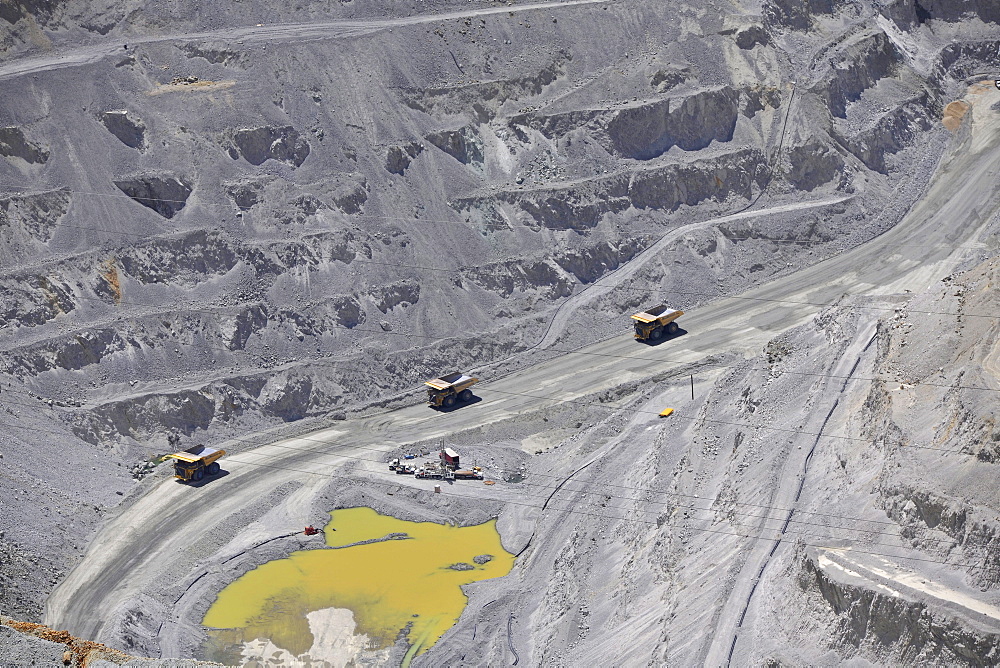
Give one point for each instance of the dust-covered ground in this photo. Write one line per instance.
(244, 223)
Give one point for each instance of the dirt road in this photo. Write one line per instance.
(146, 540)
(284, 32)
(627, 271)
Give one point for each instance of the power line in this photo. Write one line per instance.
(438, 339)
(577, 352)
(220, 309)
(768, 508)
(227, 207)
(579, 491)
(711, 420)
(800, 303)
(468, 223)
(782, 372)
(972, 315)
(716, 421)
(602, 282)
(572, 510)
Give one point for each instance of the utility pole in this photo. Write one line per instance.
(692, 387)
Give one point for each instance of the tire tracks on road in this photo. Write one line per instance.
(289, 32)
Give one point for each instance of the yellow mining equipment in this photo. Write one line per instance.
(195, 463)
(449, 389)
(656, 322)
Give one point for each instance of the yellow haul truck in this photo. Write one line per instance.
(195, 463)
(447, 390)
(654, 322)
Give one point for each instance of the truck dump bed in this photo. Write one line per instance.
(457, 380)
(656, 313)
(198, 453)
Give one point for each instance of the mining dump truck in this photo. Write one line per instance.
(195, 463)
(655, 322)
(448, 390)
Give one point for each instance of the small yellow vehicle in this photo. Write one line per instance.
(655, 322)
(448, 390)
(195, 463)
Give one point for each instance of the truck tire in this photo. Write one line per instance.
(198, 475)
(213, 468)
(656, 334)
(465, 395)
(671, 328)
(449, 401)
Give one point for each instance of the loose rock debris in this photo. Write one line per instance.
(78, 653)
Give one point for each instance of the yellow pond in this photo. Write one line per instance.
(387, 585)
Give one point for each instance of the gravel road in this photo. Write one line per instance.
(286, 32)
(146, 540)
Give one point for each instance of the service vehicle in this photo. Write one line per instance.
(449, 458)
(400, 468)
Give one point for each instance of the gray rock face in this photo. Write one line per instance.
(197, 254)
(691, 123)
(13, 144)
(876, 144)
(585, 204)
(666, 79)
(751, 37)
(795, 15)
(361, 196)
(256, 145)
(970, 58)
(245, 196)
(398, 158)
(590, 264)
(348, 311)
(860, 67)
(30, 219)
(813, 165)
(130, 131)
(875, 620)
(391, 296)
(40, 10)
(957, 10)
(351, 195)
(166, 195)
(523, 276)
(35, 303)
(220, 55)
(461, 144)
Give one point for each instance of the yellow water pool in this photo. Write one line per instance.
(389, 586)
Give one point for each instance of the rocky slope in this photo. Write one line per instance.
(847, 471)
(217, 223)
